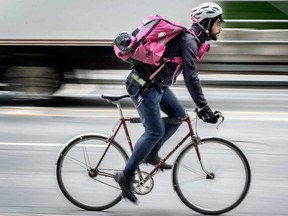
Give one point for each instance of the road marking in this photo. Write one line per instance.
(113, 113)
(47, 144)
(31, 144)
(256, 116)
(256, 113)
(256, 119)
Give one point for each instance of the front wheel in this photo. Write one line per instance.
(225, 184)
(82, 184)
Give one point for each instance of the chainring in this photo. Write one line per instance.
(143, 183)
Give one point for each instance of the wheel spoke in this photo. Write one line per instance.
(192, 180)
(85, 155)
(190, 169)
(110, 185)
(80, 163)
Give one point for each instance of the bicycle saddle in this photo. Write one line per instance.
(114, 98)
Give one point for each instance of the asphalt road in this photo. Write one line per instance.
(31, 136)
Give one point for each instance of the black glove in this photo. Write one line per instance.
(207, 115)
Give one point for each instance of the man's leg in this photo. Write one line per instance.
(171, 106)
(154, 126)
(150, 115)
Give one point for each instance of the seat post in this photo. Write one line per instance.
(119, 109)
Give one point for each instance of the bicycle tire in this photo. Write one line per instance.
(203, 193)
(74, 162)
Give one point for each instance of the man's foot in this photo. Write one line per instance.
(126, 186)
(154, 160)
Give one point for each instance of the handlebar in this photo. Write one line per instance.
(218, 115)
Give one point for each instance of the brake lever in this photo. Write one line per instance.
(219, 115)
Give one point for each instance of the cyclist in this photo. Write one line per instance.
(207, 24)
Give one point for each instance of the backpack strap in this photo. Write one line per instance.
(205, 47)
(193, 32)
(177, 69)
(151, 77)
(177, 60)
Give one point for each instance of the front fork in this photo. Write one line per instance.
(196, 141)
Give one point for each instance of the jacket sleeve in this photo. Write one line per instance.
(189, 51)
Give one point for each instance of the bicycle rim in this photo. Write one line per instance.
(73, 168)
(227, 185)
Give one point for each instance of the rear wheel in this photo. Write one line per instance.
(225, 184)
(77, 178)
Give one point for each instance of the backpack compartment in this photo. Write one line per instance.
(149, 53)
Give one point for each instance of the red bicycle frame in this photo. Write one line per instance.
(122, 122)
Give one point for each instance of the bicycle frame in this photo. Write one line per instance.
(122, 122)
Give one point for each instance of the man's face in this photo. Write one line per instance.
(216, 30)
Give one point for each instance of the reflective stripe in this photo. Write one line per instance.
(138, 79)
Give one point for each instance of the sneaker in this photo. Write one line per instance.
(154, 160)
(126, 186)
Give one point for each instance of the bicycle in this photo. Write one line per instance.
(205, 168)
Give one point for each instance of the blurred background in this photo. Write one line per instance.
(56, 59)
(44, 55)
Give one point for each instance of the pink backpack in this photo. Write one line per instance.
(147, 43)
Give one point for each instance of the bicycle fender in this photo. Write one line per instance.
(80, 137)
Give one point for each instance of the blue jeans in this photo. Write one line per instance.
(156, 131)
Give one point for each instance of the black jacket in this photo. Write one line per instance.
(185, 45)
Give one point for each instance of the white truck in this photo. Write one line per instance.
(41, 41)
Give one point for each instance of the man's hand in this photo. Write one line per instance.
(207, 115)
